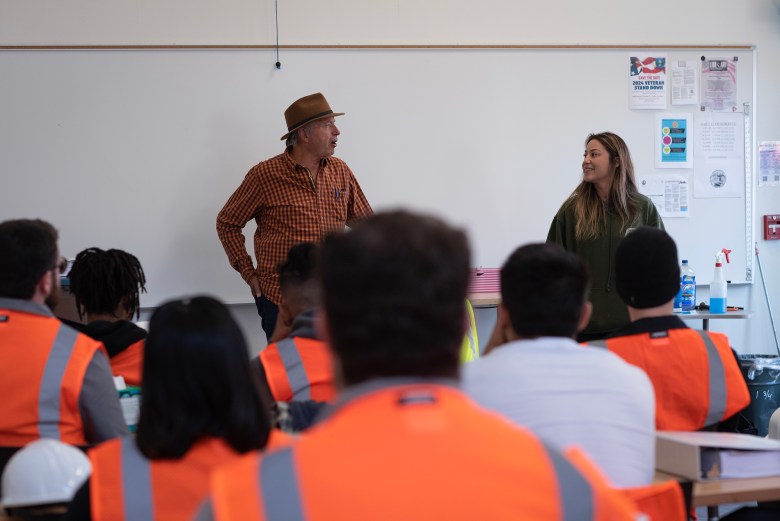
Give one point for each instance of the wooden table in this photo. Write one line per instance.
(724, 491)
(485, 300)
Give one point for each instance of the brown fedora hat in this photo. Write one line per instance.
(305, 110)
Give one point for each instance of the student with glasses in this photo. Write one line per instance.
(56, 382)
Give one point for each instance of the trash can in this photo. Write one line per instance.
(762, 374)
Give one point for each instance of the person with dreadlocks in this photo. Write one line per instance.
(106, 287)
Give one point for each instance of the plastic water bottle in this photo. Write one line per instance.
(687, 287)
(677, 307)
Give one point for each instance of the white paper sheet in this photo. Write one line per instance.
(719, 84)
(669, 192)
(719, 155)
(685, 82)
(769, 163)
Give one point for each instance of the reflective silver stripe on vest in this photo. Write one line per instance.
(717, 384)
(136, 483)
(279, 487)
(576, 494)
(296, 372)
(51, 383)
(598, 343)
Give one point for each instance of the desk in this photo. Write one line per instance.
(705, 316)
(724, 491)
(485, 300)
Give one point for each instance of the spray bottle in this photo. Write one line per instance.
(718, 285)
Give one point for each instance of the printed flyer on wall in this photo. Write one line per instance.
(685, 82)
(647, 82)
(673, 141)
(769, 163)
(719, 84)
(670, 193)
(719, 151)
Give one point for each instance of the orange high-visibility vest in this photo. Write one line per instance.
(44, 363)
(696, 378)
(299, 368)
(657, 501)
(404, 452)
(129, 363)
(126, 486)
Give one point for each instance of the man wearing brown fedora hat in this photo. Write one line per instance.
(297, 196)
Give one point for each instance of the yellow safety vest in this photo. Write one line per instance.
(469, 351)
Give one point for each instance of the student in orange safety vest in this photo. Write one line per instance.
(402, 439)
(200, 408)
(298, 366)
(56, 382)
(106, 287)
(696, 375)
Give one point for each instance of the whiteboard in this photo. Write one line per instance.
(139, 149)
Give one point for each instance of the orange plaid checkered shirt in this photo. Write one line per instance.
(281, 197)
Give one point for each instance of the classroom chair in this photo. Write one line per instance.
(660, 501)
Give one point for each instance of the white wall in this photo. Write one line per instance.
(569, 22)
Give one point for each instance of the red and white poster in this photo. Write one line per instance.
(647, 82)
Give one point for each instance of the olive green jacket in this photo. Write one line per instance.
(609, 311)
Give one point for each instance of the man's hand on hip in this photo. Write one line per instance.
(254, 286)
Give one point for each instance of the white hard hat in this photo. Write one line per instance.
(44, 472)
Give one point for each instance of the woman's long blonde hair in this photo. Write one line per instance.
(590, 212)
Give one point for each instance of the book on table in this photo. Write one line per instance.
(716, 455)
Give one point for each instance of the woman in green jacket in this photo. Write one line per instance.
(603, 208)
